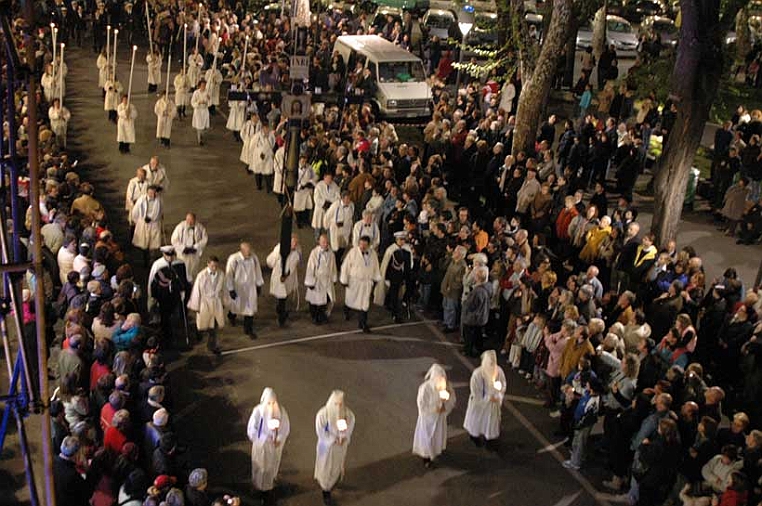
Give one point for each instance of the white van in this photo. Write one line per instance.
(402, 90)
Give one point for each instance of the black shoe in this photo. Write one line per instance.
(427, 463)
(231, 319)
(216, 351)
(327, 498)
(366, 330)
(346, 315)
(477, 441)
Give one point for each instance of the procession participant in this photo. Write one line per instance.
(125, 126)
(305, 182)
(334, 424)
(213, 78)
(200, 104)
(282, 284)
(153, 59)
(268, 430)
(279, 168)
(248, 130)
(189, 239)
(165, 112)
(59, 120)
(206, 301)
(195, 63)
(337, 220)
(156, 174)
(358, 273)
(182, 94)
(319, 278)
(147, 215)
(483, 413)
(103, 69)
(49, 83)
(436, 400)
(168, 284)
(396, 271)
(366, 227)
(243, 274)
(262, 152)
(236, 117)
(136, 188)
(114, 90)
(326, 193)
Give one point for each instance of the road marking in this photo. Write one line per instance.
(550, 448)
(322, 336)
(524, 400)
(584, 482)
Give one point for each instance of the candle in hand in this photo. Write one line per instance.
(498, 385)
(341, 424)
(273, 424)
(444, 395)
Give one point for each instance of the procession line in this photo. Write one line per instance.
(529, 426)
(323, 336)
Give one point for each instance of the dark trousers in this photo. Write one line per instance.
(395, 301)
(112, 115)
(248, 324)
(472, 336)
(317, 313)
(124, 147)
(362, 320)
(211, 343)
(280, 310)
(166, 310)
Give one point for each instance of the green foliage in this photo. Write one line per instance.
(730, 95)
(652, 77)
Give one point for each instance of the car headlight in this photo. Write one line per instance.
(391, 103)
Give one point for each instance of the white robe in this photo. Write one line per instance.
(182, 237)
(114, 92)
(206, 299)
(135, 190)
(103, 70)
(236, 116)
(483, 415)
(200, 104)
(337, 220)
(65, 259)
(213, 82)
(182, 95)
(125, 126)
(147, 235)
(244, 276)
(279, 163)
(265, 456)
(248, 130)
(430, 438)
(165, 112)
(330, 458)
(262, 152)
(324, 193)
(358, 273)
(49, 84)
(282, 289)
(195, 62)
(59, 120)
(305, 180)
(361, 229)
(157, 176)
(154, 68)
(320, 277)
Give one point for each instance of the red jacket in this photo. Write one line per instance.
(563, 221)
(114, 440)
(734, 497)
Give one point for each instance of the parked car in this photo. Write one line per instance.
(636, 11)
(619, 32)
(665, 28)
(438, 22)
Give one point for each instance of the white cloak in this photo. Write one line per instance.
(265, 456)
(430, 438)
(483, 415)
(337, 220)
(206, 299)
(248, 130)
(157, 176)
(154, 69)
(113, 96)
(304, 183)
(49, 84)
(125, 126)
(213, 82)
(244, 276)
(236, 116)
(103, 70)
(320, 276)
(361, 229)
(200, 104)
(59, 120)
(147, 235)
(282, 289)
(358, 273)
(330, 458)
(262, 153)
(183, 237)
(165, 112)
(195, 62)
(135, 190)
(279, 162)
(323, 193)
(182, 95)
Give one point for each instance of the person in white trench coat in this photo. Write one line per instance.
(200, 101)
(268, 430)
(59, 121)
(165, 113)
(485, 403)
(337, 220)
(436, 399)
(262, 152)
(282, 284)
(244, 280)
(358, 273)
(125, 125)
(305, 183)
(206, 302)
(320, 278)
(153, 60)
(326, 193)
(250, 127)
(236, 117)
(182, 94)
(334, 424)
(189, 238)
(147, 215)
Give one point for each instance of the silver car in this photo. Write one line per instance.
(438, 22)
(619, 33)
(663, 27)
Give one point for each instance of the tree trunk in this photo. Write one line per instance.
(599, 32)
(571, 53)
(537, 75)
(504, 22)
(694, 84)
(743, 35)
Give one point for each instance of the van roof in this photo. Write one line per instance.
(381, 49)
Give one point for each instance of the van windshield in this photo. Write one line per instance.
(401, 72)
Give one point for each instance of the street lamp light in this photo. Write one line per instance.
(465, 23)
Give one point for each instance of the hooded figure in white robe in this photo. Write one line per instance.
(59, 121)
(334, 424)
(338, 221)
(320, 278)
(436, 399)
(103, 69)
(248, 130)
(244, 276)
(359, 271)
(326, 193)
(154, 69)
(147, 214)
(206, 297)
(114, 90)
(165, 112)
(268, 430)
(486, 399)
(125, 127)
(189, 238)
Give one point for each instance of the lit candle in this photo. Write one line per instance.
(498, 385)
(444, 395)
(273, 424)
(341, 424)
